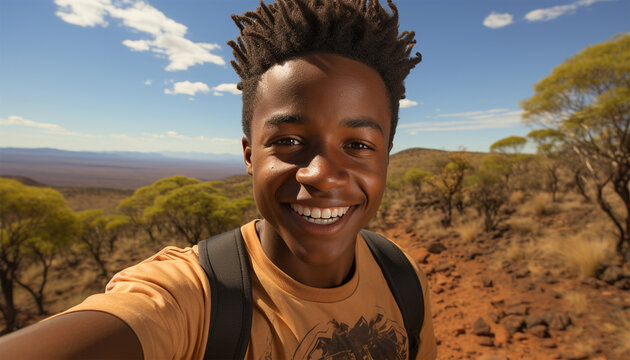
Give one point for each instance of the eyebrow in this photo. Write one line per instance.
(360, 123)
(278, 120)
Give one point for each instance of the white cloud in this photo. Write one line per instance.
(148, 82)
(19, 132)
(495, 21)
(406, 103)
(188, 88)
(553, 12)
(470, 120)
(137, 45)
(83, 13)
(223, 88)
(48, 127)
(166, 35)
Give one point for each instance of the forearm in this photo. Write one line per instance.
(77, 335)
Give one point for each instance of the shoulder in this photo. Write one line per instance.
(414, 264)
(169, 267)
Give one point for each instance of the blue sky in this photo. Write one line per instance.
(128, 75)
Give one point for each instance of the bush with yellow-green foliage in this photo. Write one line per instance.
(98, 235)
(34, 224)
(197, 211)
(488, 190)
(143, 198)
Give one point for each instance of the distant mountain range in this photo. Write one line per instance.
(115, 155)
(116, 169)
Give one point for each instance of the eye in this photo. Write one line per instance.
(287, 142)
(358, 145)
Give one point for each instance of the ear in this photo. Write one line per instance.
(391, 145)
(247, 155)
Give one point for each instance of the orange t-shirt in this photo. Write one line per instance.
(166, 301)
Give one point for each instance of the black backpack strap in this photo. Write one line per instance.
(226, 263)
(403, 283)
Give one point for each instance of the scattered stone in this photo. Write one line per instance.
(444, 266)
(574, 355)
(549, 344)
(435, 247)
(496, 316)
(522, 273)
(530, 286)
(409, 229)
(539, 331)
(471, 254)
(485, 341)
(481, 328)
(422, 255)
(513, 324)
(459, 331)
(612, 274)
(555, 294)
(492, 357)
(428, 269)
(519, 309)
(486, 281)
(520, 337)
(623, 284)
(533, 320)
(550, 280)
(497, 301)
(455, 275)
(501, 335)
(440, 279)
(556, 320)
(592, 282)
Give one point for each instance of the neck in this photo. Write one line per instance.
(328, 275)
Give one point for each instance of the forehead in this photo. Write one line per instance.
(322, 85)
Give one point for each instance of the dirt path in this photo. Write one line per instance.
(484, 311)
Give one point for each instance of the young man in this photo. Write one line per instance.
(321, 82)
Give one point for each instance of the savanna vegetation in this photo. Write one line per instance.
(561, 211)
(42, 236)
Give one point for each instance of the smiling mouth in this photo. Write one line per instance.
(320, 216)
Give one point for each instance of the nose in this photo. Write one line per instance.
(323, 173)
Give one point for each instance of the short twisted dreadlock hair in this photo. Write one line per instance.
(357, 29)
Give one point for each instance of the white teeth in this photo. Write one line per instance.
(320, 216)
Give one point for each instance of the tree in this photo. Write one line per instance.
(144, 197)
(416, 179)
(587, 99)
(488, 190)
(509, 145)
(448, 184)
(98, 235)
(550, 146)
(34, 223)
(198, 211)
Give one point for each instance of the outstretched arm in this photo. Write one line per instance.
(77, 335)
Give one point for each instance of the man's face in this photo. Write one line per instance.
(318, 154)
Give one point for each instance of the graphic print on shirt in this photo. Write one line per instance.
(378, 338)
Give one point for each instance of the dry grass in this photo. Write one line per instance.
(517, 198)
(619, 330)
(588, 250)
(469, 231)
(431, 225)
(576, 301)
(524, 225)
(541, 205)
